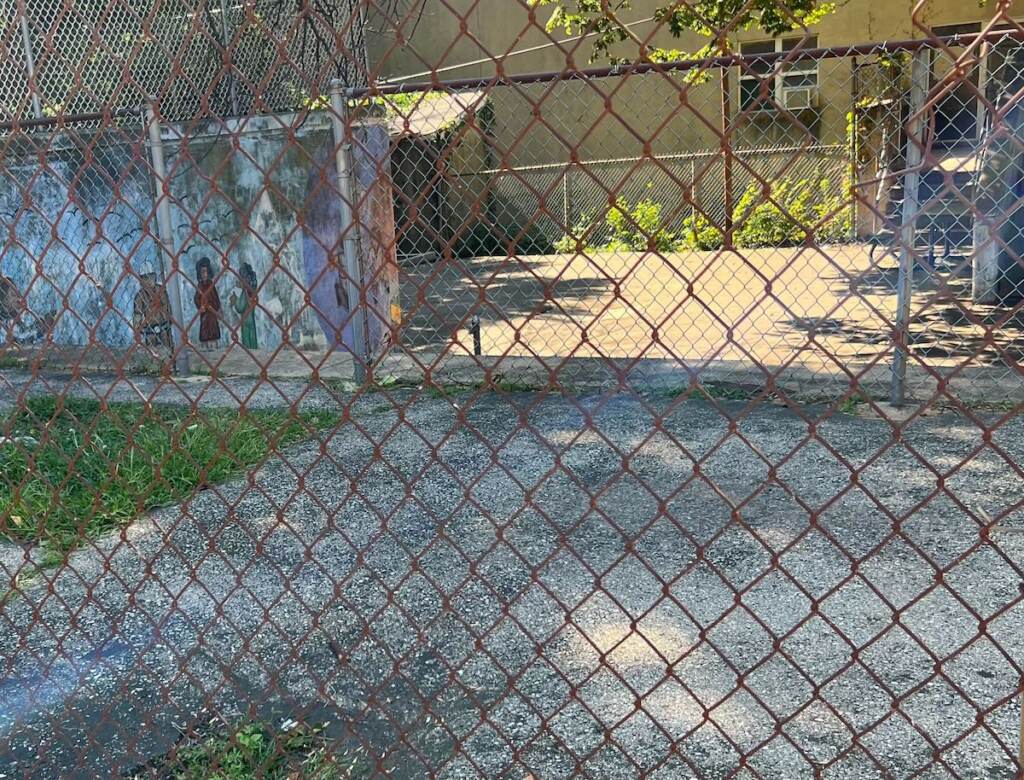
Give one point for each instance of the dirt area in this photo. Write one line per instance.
(818, 306)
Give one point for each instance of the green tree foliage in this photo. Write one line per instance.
(712, 19)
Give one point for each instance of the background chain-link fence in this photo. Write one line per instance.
(482, 176)
(219, 58)
(650, 420)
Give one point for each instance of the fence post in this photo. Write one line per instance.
(349, 230)
(727, 174)
(693, 194)
(171, 267)
(228, 48)
(919, 74)
(566, 202)
(854, 132)
(30, 61)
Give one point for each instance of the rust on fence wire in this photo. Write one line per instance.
(430, 388)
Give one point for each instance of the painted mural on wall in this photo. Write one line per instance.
(151, 310)
(245, 301)
(76, 245)
(323, 251)
(255, 251)
(207, 303)
(272, 235)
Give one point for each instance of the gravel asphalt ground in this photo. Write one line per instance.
(513, 585)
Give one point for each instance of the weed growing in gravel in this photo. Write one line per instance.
(72, 468)
(259, 751)
(851, 404)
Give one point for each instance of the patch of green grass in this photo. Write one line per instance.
(72, 468)
(258, 751)
(8, 362)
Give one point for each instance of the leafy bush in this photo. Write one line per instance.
(638, 228)
(782, 220)
(834, 214)
(793, 206)
(700, 233)
(577, 238)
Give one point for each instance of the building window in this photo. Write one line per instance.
(787, 85)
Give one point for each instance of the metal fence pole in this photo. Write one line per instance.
(854, 132)
(30, 62)
(694, 191)
(920, 71)
(171, 268)
(727, 154)
(228, 48)
(566, 203)
(349, 229)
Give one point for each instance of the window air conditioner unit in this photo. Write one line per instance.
(799, 98)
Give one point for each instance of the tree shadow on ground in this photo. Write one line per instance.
(439, 298)
(945, 324)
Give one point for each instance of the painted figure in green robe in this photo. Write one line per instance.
(245, 305)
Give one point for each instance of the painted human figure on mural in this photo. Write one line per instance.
(208, 304)
(11, 306)
(151, 310)
(245, 304)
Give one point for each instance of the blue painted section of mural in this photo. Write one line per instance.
(256, 227)
(72, 229)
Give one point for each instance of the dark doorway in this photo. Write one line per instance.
(956, 114)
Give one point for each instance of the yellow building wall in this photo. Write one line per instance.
(616, 117)
(633, 116)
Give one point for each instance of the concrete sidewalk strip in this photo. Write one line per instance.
(461, 605)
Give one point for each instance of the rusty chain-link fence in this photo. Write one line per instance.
(374, 404)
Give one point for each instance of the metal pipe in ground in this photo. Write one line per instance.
(353, 271)
(171, 267)
(474, 327)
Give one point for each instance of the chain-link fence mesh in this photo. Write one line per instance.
(649, 420)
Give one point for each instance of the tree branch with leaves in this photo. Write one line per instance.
(712, 19)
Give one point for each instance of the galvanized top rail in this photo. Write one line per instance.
(69, 119)
(725, 61)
